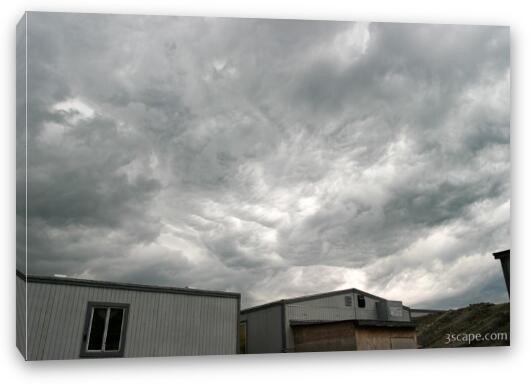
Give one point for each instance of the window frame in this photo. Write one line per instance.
(361, 299)
(87, 328)
(348, 301)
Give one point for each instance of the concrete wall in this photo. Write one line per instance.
(159, 324)
(264, 329)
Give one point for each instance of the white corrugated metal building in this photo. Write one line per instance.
(273, 327)
(72, 318)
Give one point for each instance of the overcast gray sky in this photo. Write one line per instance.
(272, 158)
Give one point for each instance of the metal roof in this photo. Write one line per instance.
(502, 254)
(310, 297)
(126, 286)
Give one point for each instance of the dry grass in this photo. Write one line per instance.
(482, 318)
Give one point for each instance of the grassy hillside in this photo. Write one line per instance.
(466, 327)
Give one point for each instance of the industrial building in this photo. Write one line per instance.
(66, 318)
(335, 321)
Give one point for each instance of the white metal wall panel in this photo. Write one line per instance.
(367, 313)
(324, 308)
(332, 308)
(159, 323)
(264, 329)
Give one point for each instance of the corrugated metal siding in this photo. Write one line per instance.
(21, 316)
(328, 308)
(159, 324)
(367, 313)
(264, 330)
(324, 308)
(392, 310)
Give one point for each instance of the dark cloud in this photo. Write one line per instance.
(270, 157)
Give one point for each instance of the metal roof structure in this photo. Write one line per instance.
(125, 286)
(358, 322)
(310, 297)
(502, 254)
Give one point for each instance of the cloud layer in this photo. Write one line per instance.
(270, 157)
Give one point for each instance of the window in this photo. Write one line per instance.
(243, 336)
(361, 301)
(348, 301)
(105, 329)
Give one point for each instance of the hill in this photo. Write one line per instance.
(478, 325)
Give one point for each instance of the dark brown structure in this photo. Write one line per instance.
(353, 335)
(505, 260)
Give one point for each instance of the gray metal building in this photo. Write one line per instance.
(269, 328)
(72, 318)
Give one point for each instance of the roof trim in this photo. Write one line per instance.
(385, 323)
(262, 306)
(502, 254)
(312, 297)
(360, 323)
(123, 286)
(332, 293)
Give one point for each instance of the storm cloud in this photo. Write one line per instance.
(269, 157)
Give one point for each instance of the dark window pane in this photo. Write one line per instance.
(96, 329)
(361, 301)
(114, 330)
